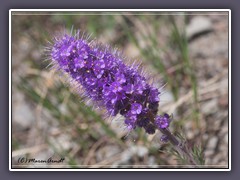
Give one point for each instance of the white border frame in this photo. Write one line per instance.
(117, 10)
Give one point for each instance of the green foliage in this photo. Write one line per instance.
(198, 155)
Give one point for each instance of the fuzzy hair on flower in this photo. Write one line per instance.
(108, 80)
(103, 76)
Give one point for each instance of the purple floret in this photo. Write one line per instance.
(162, 122)
(150, 129)
(108, 81)
(136, 108)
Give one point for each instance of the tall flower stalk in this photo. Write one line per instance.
(111, 84)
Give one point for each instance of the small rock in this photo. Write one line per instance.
(126, 156)
(212, 143)
(133, 150)
(208, 153)
(205, 137)
(23, 116)
(151, 160)
(197, 26)
(63, 108)
(210, 107)
(139, 150)
(142, 151)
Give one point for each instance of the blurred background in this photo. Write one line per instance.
(187, 51)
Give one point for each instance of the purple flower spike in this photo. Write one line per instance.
(108, 81)
(162, 122)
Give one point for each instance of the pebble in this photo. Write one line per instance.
(210, 107)
(139, 150)
(142, 151)
(198, 25)
(152, 161)
(212, 143)
(208, 153)
(23, 116)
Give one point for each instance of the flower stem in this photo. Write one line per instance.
(179, 147)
